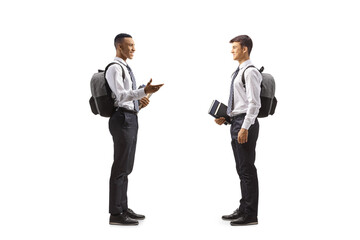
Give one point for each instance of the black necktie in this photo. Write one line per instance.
(231, 97)
(136, 103)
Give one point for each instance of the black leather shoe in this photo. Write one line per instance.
(244, 220)
(122, 219)
(134, 215)
(235, 215)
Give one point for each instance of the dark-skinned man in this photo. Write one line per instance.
(123, 125)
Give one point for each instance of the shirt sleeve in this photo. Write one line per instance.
(123, 92)
(253, 80)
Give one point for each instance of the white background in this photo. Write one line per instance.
(56, 155)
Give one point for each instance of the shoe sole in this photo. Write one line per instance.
(245, 224)
(229, 219)
(124, 224)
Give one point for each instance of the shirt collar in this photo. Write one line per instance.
(120, 60)
(245, 64)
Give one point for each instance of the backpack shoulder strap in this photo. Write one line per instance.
(123, 72)
(243, 74)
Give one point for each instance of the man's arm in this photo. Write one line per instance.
(253, 80)
(116, 83)
(149, 89)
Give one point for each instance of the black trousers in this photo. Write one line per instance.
(245, 165)
(123, 128)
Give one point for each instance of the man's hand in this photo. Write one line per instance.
(243, 136)
(144, 102)
(152, 88)
(220, 121)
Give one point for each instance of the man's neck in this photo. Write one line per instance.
(243, 60)
(122, 57)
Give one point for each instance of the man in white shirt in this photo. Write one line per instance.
(243, 108)
(123, 126)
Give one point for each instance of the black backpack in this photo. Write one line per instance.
(101, 101)
(267, 94)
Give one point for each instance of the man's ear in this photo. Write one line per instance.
(245, 49)
(118, 46)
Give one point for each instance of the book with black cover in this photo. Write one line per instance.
(218, 109)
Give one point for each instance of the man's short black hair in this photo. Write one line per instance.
(120, 37)
(244, 40)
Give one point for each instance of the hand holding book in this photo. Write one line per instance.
(144, 101)
(220, 120)
(218, 110)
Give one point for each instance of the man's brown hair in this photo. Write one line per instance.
(244, 40)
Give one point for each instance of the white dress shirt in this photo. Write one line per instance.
(247, 101)
(122, 88)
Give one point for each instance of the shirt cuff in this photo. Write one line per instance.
(246, 124)
(141, 93)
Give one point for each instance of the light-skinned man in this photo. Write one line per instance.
(243, 108)
(123, 125)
